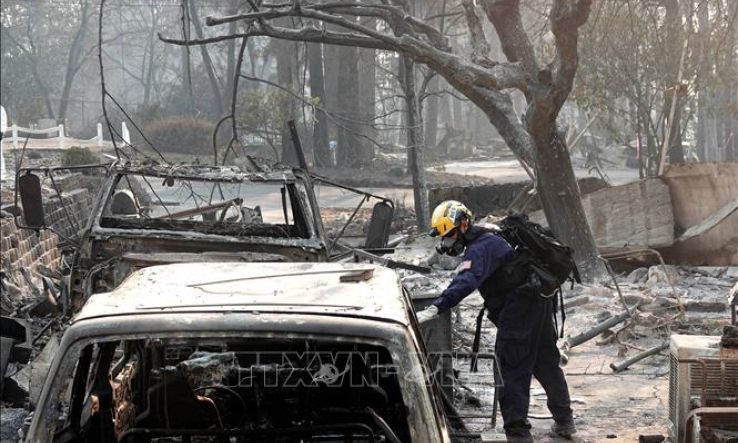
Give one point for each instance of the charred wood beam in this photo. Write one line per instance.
(585, 336)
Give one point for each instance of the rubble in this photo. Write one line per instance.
(31, 377)
(11, 421)
(634, 346)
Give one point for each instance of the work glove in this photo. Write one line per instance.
(428, 313)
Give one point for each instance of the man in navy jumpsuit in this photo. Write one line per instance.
(526, 336)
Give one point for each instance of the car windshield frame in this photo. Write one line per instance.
(302, 213)
(415, 380)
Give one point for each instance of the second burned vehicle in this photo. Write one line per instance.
(149, 215)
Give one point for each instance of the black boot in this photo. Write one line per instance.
(564, 428)
(519, 432)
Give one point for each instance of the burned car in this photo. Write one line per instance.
(154, 214)
(247, 352)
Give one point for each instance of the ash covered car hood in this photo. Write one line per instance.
(305, 288)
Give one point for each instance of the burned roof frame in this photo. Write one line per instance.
(222, 174)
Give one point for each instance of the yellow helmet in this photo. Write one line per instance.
(447, 216)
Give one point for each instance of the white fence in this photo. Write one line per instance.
(60, 140)
(14, 137)
(19, 134)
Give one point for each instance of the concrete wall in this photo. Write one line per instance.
(489, 199)
(697, 191)
(635, 214)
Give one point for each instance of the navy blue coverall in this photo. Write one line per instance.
(526, 336)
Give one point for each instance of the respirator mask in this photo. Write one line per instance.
(451, 246)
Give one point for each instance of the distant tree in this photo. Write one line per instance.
(631, 58)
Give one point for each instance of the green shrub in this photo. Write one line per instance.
(76, 156)
(181, 135)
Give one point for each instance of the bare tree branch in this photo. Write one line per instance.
(306, 34)
(450, 66)
(400, 22)
(567, 16)
(480, 47)
(505, 16)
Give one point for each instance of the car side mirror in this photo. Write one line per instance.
(29, 188)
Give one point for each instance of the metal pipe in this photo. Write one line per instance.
(318, 178)
(585, 336)
(201, 209)
(477, 339)
(617, 286)
(636, 358)
(348, 222)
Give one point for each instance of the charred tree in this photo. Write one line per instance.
(431, 114)
(366, 102)
(349, 146)
(217, 108)
(75, 59)
(673, 53)
(415, 144)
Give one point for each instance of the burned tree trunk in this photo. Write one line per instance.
(217, 107)
(672, 94)
(349, 147)
(560, 196)
(74, 61)
(431, 114)
(366, 85)
(415, 145)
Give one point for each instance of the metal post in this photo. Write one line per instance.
(125, 134)
(99, 135)
(15, 136)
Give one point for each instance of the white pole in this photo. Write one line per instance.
(61, 136)
(15, 136)
(99, 135)
(125, 134)
(3, 128)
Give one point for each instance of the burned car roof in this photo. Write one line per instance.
(304, 288)
(208, 172)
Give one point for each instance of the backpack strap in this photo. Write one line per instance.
(477, 340)
(558, 305)
(563, 312)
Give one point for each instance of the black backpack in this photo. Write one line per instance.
(537, 255)
(537, 249)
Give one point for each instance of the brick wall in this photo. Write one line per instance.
(26, 248)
